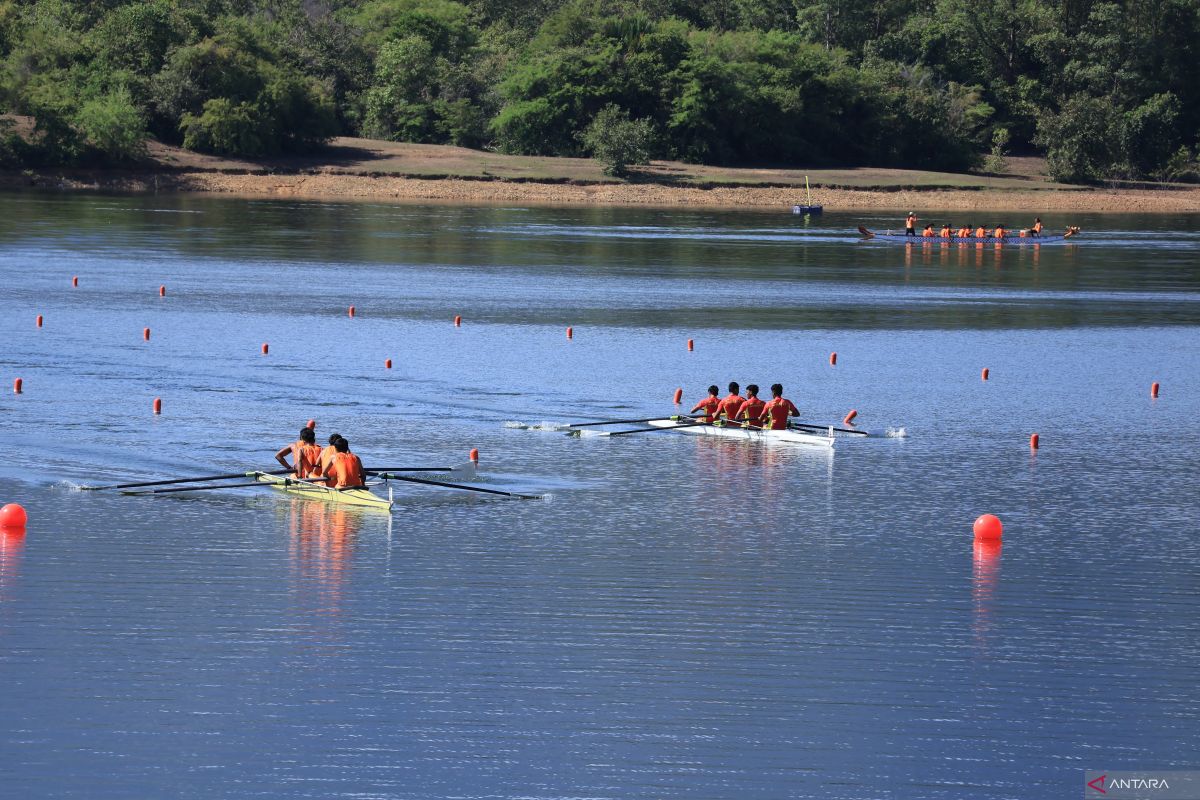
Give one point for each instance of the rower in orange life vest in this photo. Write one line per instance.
(980, 232)
(345, 470)
(306, 455)
(928, 232)
(328, 453)
(731, 404)
(1000, 233)
(709, 404)
(1036, 230)
(752, 409)
(777, 410)
(946, 231)
(964, 232)
(910, 224)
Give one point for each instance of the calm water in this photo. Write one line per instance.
(681, 617)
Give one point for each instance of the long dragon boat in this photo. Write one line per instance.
(1017, 239)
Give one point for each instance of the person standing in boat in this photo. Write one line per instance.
(752, 409)
(709, 404)
(1036, 230)
(731, 404)
(777, 410)
(306, 454)
(345, 470)
(910, 224)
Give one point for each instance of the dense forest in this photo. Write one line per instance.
(1105, 90)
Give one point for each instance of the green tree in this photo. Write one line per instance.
(617, 141)
(113, 125)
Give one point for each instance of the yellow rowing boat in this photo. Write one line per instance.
(319, 491)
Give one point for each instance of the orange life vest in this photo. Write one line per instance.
(928, 231)
(345, 470)
(999, 234)
(980, 233)
(306, 459)
(1037, 228)
(946, 232)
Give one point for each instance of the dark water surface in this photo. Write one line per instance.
(683, 617)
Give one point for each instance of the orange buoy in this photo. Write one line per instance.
(39, 320)
(265, 348)
(691, 345)
(474, 455)
(351, 312)
(12, 515)
(311, 424)
(1153, 386)
(833, 359)
(988, 527)
(75, 280)
(1034, 441)
(387, 364)
(158, 405)
(458, 320)
(849, 418)
(570, 333)
(162, 291)
(678, 396)
(984, 374)
(145, 334)
(17, 385)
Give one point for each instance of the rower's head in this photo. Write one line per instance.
(713, 390)
(776, 390)
(734, 388)
(307, 436)
(752, 390)
(341, 445)
(333, 438)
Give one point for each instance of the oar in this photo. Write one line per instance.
(389, 476)
(865, 232)
(373, 470)
(624, 421)
(812, 426)
(181, 480)
(194, 488)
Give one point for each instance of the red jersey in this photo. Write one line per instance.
(730, 406)
(709, 406)
(779, 409)
(751, 410)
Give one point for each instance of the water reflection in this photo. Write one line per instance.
(321, 546)
(12, 542)
(983, 591)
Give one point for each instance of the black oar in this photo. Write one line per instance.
(181, 480)
(196, 488)
(374, 470)
(390, 477)
(623, 421)
(812, 426)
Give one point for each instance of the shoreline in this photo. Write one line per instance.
(349, 186)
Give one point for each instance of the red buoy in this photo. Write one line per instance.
(691, 345)
(162, 291)
(988, 526)
(678, 396)
(158, 405)
(984, 374)
(570, 333)
(265, 348)
(1034, 441)
(1153, 386)
(458, 320)
(387, 364)
(351, 312)
(833, 359)
(39, 320)
(75, 280)
(17, 384)
(311, 424)
(145, 334)
(474, 455)
(848, 419)
(12, 515)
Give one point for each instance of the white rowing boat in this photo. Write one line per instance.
(736, 431)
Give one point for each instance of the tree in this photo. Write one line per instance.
(113, 125)
(617, 141)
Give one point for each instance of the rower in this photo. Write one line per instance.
(946, 234)
(327, 454)
(752, 409)
(980, 232)
(928, 232)
(345, 470)
(731, 404)
(910, 224)
(709, 404)
(1036, 230)
(778, 409)
(964, 232)
(305, 453)
(1000, 232)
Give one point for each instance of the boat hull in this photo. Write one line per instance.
(749, 434)
(313, 491)
(1007, 240)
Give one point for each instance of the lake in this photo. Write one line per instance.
(680, 616)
